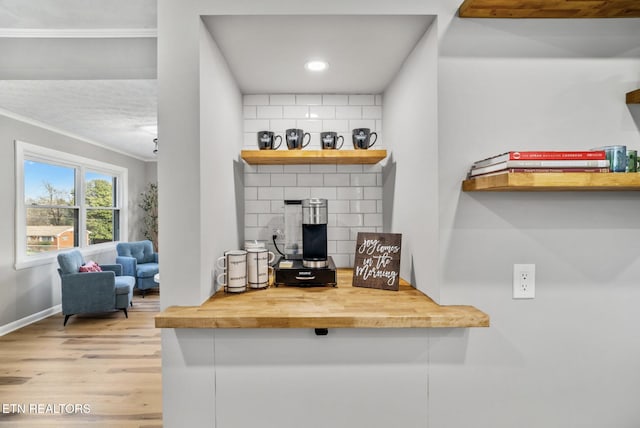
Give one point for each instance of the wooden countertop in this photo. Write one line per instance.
(343, 306)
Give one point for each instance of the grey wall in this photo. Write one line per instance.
(28, 291)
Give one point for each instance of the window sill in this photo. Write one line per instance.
(52, 257)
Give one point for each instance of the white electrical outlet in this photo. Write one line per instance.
(524, 281)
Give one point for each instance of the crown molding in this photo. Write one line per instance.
(78, 33)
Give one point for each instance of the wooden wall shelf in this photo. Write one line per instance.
(552, 181)
(298, 157)
(343, 306)
(550, 9)
(633, 97)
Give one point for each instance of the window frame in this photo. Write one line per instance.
(26, 151)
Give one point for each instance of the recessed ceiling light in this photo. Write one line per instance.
(316, 65)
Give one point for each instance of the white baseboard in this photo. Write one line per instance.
(15, 325)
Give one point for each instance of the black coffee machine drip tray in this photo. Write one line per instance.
(293, 273)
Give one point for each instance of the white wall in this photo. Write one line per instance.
(566, 359)
(411, 172)
(30, 291)
(353, 192)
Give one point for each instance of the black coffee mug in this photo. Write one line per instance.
(266, 140)
(361, 138)
(295, 139)
(329, 140)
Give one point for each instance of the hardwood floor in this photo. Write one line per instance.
(100, 370)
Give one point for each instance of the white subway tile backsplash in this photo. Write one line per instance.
(363, 100)
(342, 260)
(350, 193)
(296, 168)
(282, 99)
(250, 220)
(280, 125)
(355, 230)
(308, 99)
(363, 180)
(372, 112)
(269, 112)
(373, 219)
(250, 193)
(257, 207)
(363, 123)
(270, 168)
(337, 125)
(257, 180)
(335, 99)
(309, 125)
(338, 234)
(284, 180)
(348, 112)
(322, 112)
(350, 220)
(364, 206)
(277, 206)
(336, 179)
(270, 220)
(349, 168)
(253, 100)
(249, 112)
(372, 168)
(345, 247)
(354, 192)
(373, 193)
(297, 193)
(322, 168)
(269, 193)
(256, 125)
(338, 207)
(328, 193)
(296, 112)
(310, 180)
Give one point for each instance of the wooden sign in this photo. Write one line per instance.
(377, 262)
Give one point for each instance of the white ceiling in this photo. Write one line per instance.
(88, 67)
(267, 54)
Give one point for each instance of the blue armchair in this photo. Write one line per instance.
(86, 292)
(138, 260)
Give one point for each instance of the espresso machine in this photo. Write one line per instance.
(312, 267)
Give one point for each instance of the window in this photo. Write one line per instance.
(65, 201)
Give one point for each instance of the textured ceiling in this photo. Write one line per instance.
(98, 89)
(107, 112)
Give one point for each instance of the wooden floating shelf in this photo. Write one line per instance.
(633, 97)
(298, 157)
(343, 306)
(550, 9)
(554, 181)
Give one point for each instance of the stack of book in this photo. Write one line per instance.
(541, 161)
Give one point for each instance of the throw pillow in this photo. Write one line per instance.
(90, 266)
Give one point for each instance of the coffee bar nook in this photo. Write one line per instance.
(330, 264)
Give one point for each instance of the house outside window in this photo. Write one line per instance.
(65, 201)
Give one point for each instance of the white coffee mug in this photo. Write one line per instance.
(258, 269)
(234, 264)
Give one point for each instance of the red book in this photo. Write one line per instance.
(542, 155)
(542, 171)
